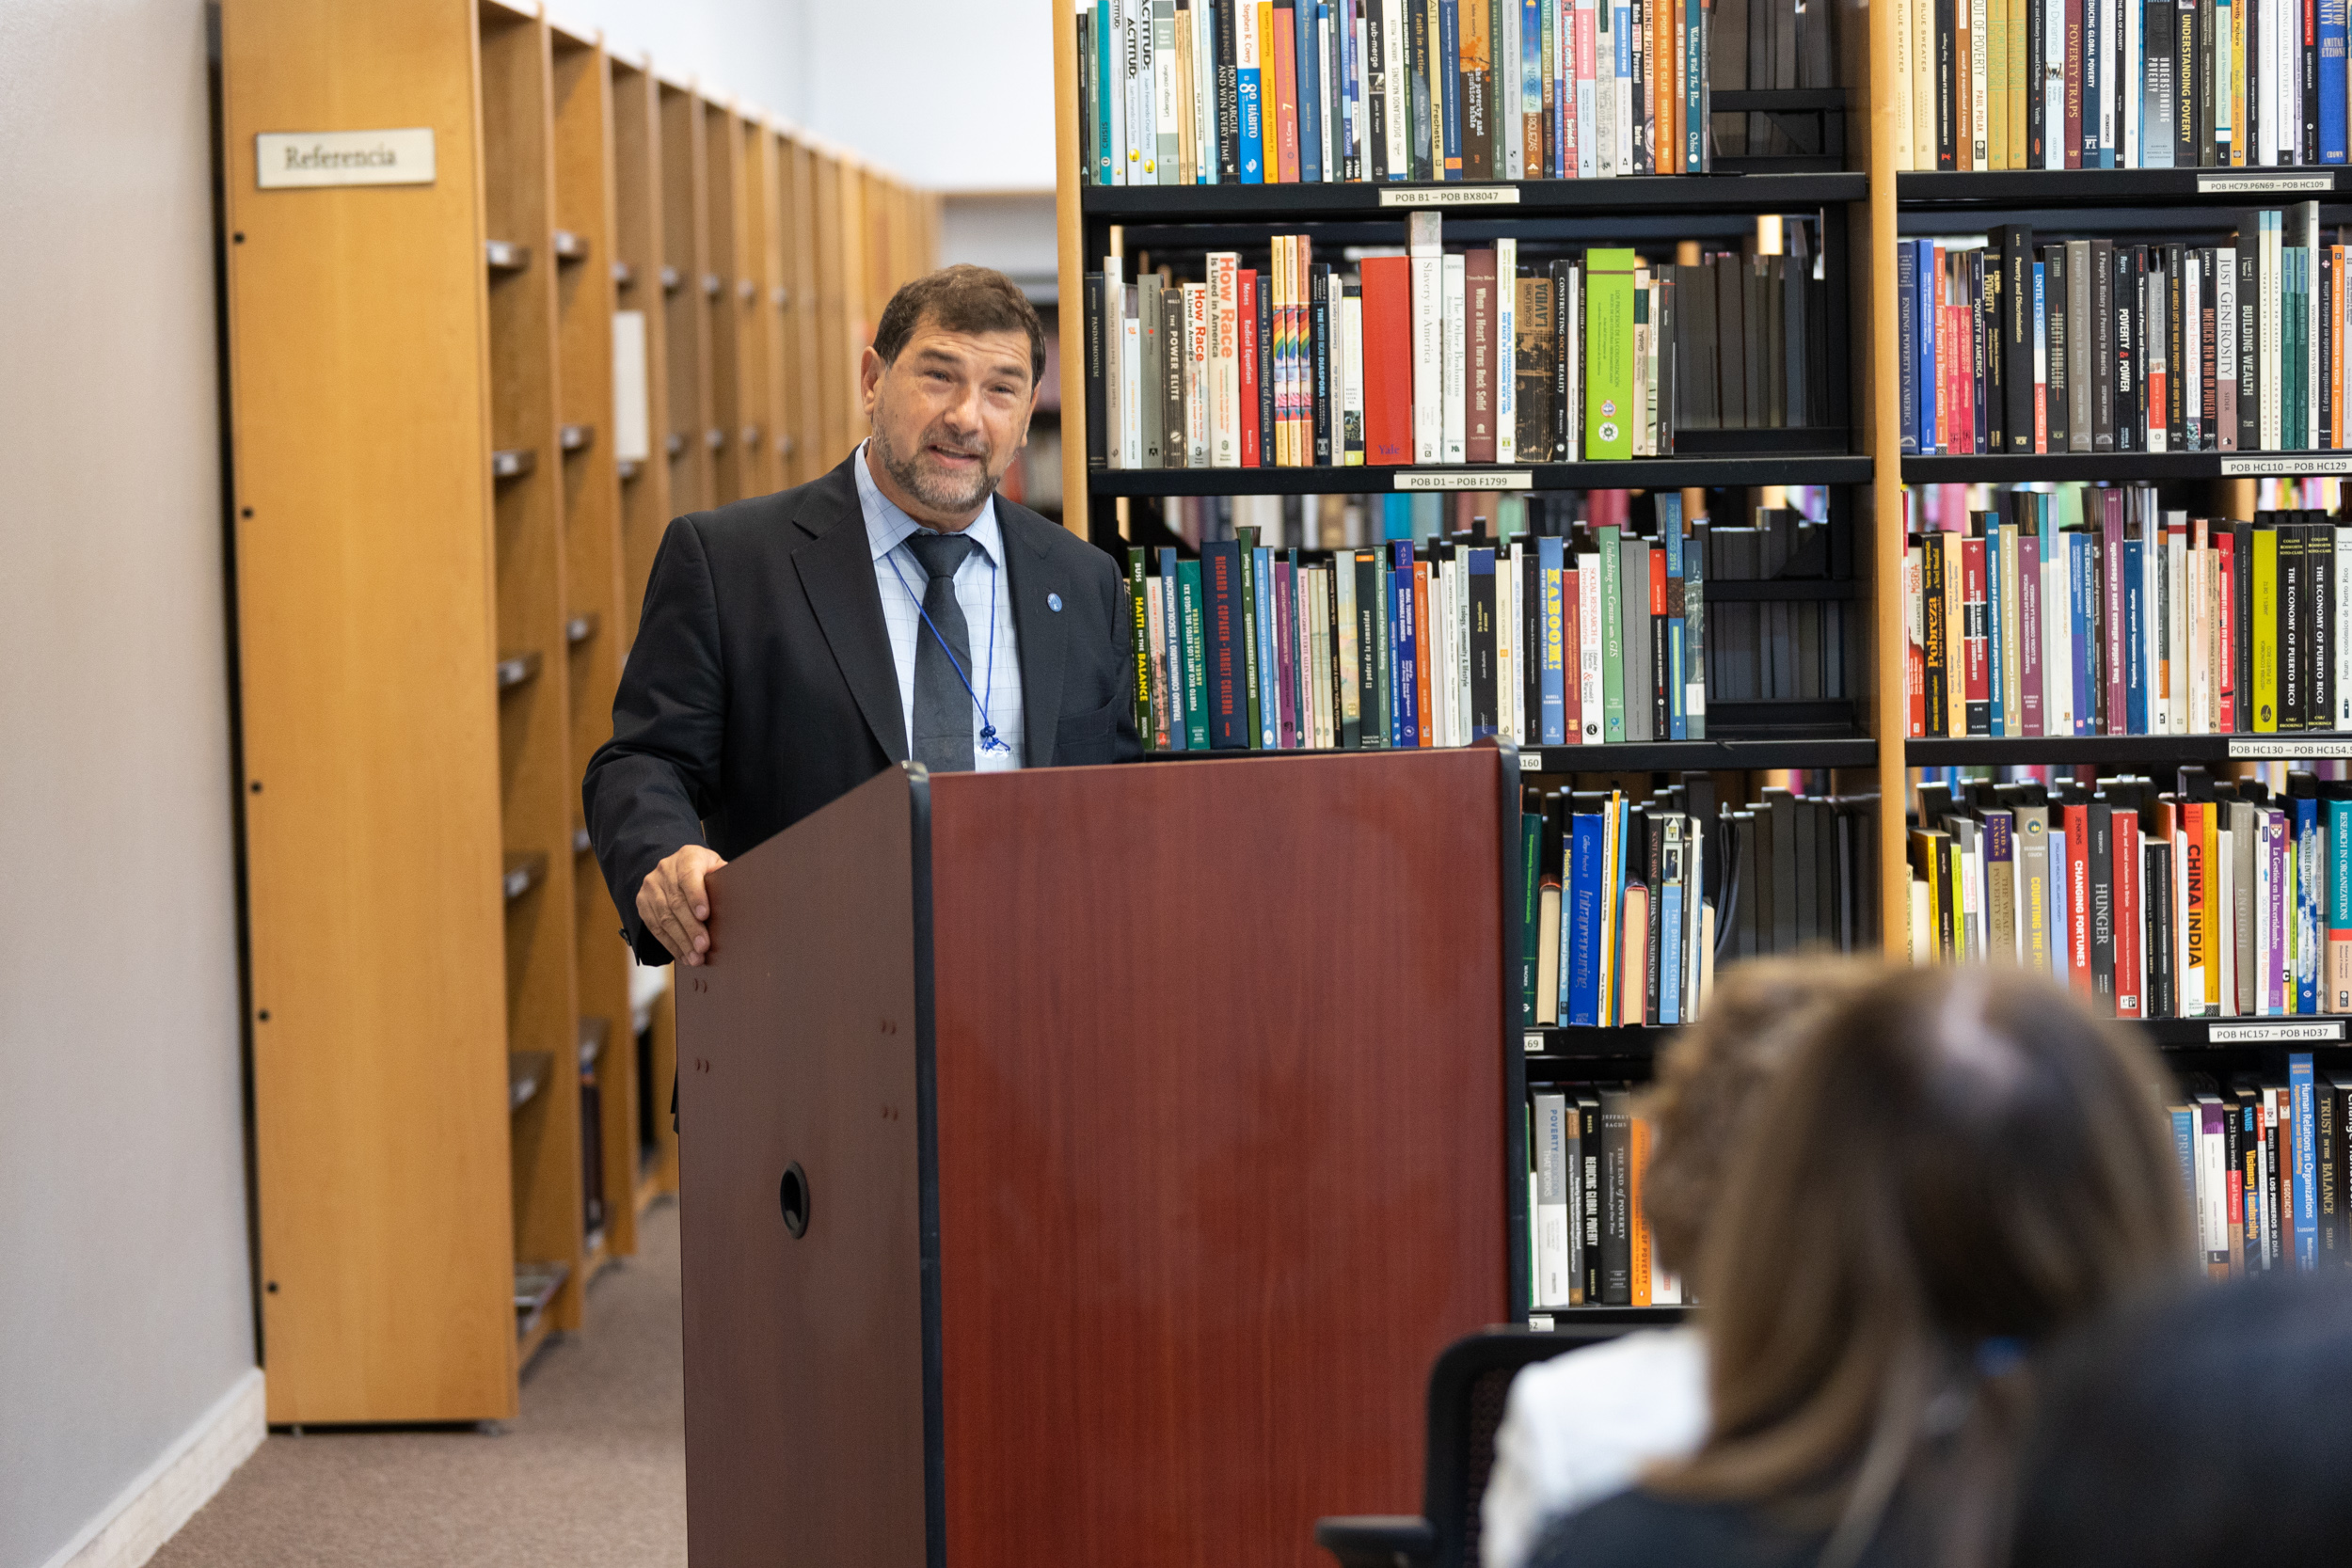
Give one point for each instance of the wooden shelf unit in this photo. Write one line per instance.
(391, 575)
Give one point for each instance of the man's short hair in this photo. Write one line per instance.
(961, 298)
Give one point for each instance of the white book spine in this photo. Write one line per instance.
(1976, 151)
(1504, 99)
(1351, 317)
(1197, 383)
(1506, 345)
(1204, 93)
(1623, 103)
(1588, 668)
(2341, 610)
(2176, 623)
(2266, 47)
(1225, 410)
(1428, 359)
(1142, 128)
(1362, 29)
(2133, 43)
(1163, 118)
(1604, 120)
(2053, 85)
(1110, 19)
(1456, 324)
(1351, 692)
(1394, 88)
(1131, 391)
(1114, 365)
(1327, 55)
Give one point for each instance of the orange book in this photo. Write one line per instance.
(1285, 58)
(1637, 1167)
(1633, 957)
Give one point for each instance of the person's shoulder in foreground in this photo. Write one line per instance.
(1582, 1425)
(1641, 1529)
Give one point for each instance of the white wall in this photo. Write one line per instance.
(125, 1304)
(951, 96)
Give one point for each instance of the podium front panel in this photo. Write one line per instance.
(805, 1362)
(1221, 1144)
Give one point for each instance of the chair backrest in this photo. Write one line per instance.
(1468, 1390)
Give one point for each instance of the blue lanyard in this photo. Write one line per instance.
(989, 741)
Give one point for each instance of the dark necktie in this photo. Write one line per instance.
(943, 708)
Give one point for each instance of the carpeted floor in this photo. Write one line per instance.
(592, 1472)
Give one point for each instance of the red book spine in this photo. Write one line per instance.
(2129, 930)
(1478, 268)
(1286, 90)
(1978, 687)
(1388, 361)
(2074, 83)
(1246, 294)
(2078, 898)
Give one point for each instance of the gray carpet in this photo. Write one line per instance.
(592, 1472)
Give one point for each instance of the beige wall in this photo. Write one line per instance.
(125, 1306)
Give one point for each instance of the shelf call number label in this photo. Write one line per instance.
(284, 160)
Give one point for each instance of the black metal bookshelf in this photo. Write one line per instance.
(1639, 473)
(1640, 193)
(2120, 749)
(2154, 466)
(2117, 187)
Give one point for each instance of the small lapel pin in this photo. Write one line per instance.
(1053, 602)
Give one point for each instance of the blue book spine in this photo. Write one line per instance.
(2185, 1146)
(2086, 648)
(1670, 527)
(2331, 148)
(1172, 653)
(2058, 902)
(1248, 95)
(2135, 634)
(1549, 560)
(1906, 331)
(1923, 340)
(1449, 53)
(1310, 100)
(1269, 666)
(1407, 678)
(1994, 714)
(1530, 84)
(2311, 871)
(2306, 1163)
(1579, 929)
(1670, 954)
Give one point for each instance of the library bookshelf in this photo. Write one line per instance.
(1864, 210)
(463, 411)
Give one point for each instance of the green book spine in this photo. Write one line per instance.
(1531, 907)
(1137, 585)
(1196, 657)
(1608, 355)
(1611, 639)
(1248, 538)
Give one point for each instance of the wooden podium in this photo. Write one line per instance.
(1084, 1167)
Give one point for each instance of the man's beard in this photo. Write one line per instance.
(934, 489)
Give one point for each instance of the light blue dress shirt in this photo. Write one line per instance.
(984, 590)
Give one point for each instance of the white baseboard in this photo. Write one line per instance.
(152, 1509)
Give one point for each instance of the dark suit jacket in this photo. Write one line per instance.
(761, 685)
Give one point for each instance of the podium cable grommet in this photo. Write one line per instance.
(792, 1196)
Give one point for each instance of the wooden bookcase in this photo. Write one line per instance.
(441, 553)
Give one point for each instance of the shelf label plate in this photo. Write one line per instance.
(1465, 479)
(2290, 748)
(2263, 185)
(1449, 196)
(2285, 465)
(2265, 1033)
(295, 159)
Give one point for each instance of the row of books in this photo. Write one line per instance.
(2215, 898)
(2106, 345)
(2117, 84)
(1589, 1242)
(1436, 357)
(1632, 903)
(2084, 612)
(2264, 1163)
(1183, 92)
(1251, 648)
(1336, 520)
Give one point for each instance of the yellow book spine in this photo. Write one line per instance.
(2265, 630)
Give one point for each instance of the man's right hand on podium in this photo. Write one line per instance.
(672, 904)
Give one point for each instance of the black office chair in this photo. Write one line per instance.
(1467, 1390)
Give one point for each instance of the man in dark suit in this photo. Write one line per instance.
(794, 645)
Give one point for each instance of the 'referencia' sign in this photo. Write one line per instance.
(294, 159)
